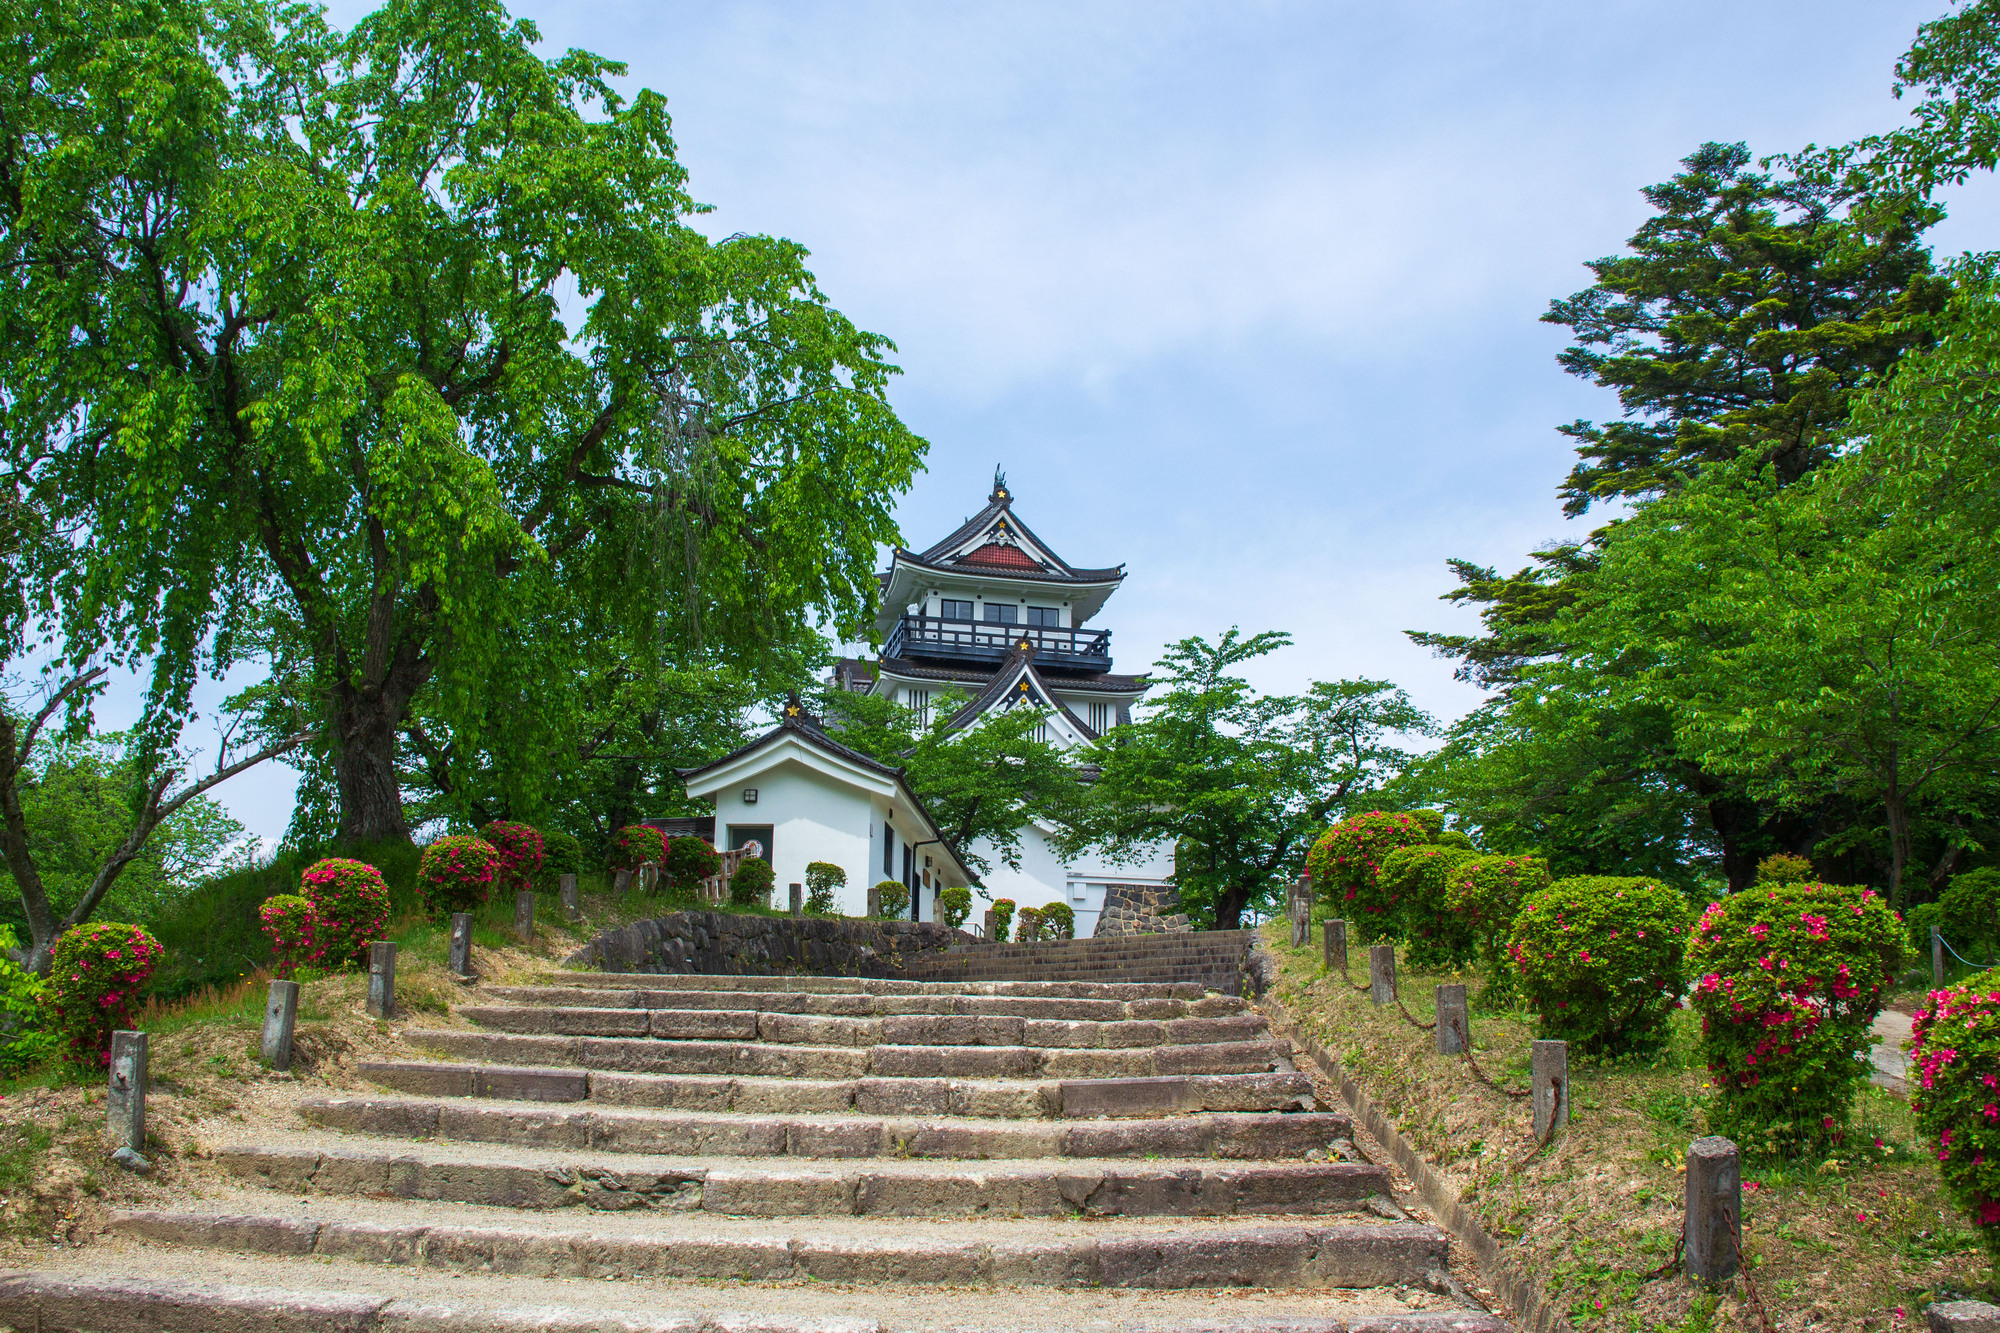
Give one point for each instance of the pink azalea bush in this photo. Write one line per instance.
(457, 874)
(94, 984)
(1486, 892)
(1346, 867)
(1003, 917)
(520, 848)
(636, 845)
(287, 919)
(1790, 975)
(1955, 1060)
(1599, 959)
(1418, 879)
(350, 906)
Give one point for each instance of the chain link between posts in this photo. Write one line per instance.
(1465, 1049)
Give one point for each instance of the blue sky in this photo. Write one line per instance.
(1244, 296)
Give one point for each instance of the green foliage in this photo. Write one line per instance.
(521, 849)
(1600, 960)
(823, 880)
(1028, 925)
(1346, 868)
(1417, 881)
(1487, 893)
(562, 855)
(94, 987)
(1058, 921)
(954, 905)
(751, 885)
(1784, 868)
(636, 845)
(1955, 1055)
(1968, 913)
(457, 873)
(287, 920)
(688, 862)
(1003, 919)
(892, 899)
(350, 906)
(24, 1042)
(1791, 977)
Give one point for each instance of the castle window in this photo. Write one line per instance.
(1046, 616)
(1100, 718)
(951, 610)
(999, 613)
(920, 704)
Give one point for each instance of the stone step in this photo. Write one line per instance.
(654, 1056)
(894, 1030)
(663, 994)
(1062, 990)
(1178, 1094)
(1223, 1137)
(1357, 1254)
(529, 1179)
(165, 1289)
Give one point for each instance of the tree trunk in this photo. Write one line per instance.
(1229, 905)
(365, 723)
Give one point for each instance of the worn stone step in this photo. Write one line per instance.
(1007, 1099)
(166, 1289)
(529, 1179)
(1360, 1254)
(760, 1058)
(893, 1030)
(1223, 1137)
(846, 1005)
(1065, 990)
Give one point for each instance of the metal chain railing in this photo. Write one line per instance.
(1743, 1267)
(1410, 1018)
(1549, 1134)
(1680, 1248)
(1465, 1049)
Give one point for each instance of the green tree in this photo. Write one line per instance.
(407, 329)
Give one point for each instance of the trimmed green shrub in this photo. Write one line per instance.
(954, 905)
(93, 987)
(350, 906)
(1003, 917)
(1346, 867)
(750, 886)
(562, 855)
(689, 861)
(823, 880)
(457, 874)
(521, 848)
(1058, 921)
(1415, 880)
(1968, 914)
(1791, 977)
(1784, 868)
(1028, 925)
(23, 1041)
(892, 899)
(287, 921)
(1487, 891)
(1600, 961)
(1955, 1060)
(636, 845)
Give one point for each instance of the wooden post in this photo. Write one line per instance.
(1382, 973)
(125, 1104)
(572, 903)
(461, 943)
(621, 881)
(992, 920)
(1454, 1020)
(1937, 958)
(381, 978)
(281, 1014)
(1548, 1067)
(1333, 944)
(875, 903)
(1714, 1209)
(798, 900)
(649, 878)
(524, 913)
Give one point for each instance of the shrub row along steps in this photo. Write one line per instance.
(934, 1144)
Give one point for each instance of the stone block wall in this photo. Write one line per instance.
(1140, 910)
(726, 944)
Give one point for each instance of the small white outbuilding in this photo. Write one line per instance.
(806, 797)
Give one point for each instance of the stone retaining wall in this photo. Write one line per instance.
(725, 944)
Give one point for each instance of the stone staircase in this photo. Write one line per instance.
(762, 1153)
(1213, 959)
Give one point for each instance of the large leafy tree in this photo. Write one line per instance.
(407, 329)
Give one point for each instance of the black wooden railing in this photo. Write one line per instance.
(984, 641)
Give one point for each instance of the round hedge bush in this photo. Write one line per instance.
(1955, 1056)
(1416, 880)
(636, 845)
(1028, 925)
(521, 848)
(1600, 961)
(1346, 867)
(751, 885)
(24, 1039)
(1791, 975)
(688, 862)
(456, 874)
(562, 855)
(1487, 892)
(824, 879)
(286, 920)
(350, 905)
(93, 989)
(1058, 921)
(892, 900)
(954, 905)
(1003, 917)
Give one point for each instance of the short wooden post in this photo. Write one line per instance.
(798, 900)
(992, 922)
(1548, 1067)
(1301, 900)
(1333, 944)
(461, 943)
(1454, 1020)
(621, 880)
(875, 903)
(1937, 958)
(572, 902)
(1382, 973)
(281, 1014)
(125, 1104)
(524, 913)
(381, 978)
(1714, 1209)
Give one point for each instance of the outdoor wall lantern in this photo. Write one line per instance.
(749, 796)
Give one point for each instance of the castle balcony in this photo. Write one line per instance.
(985, 643)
